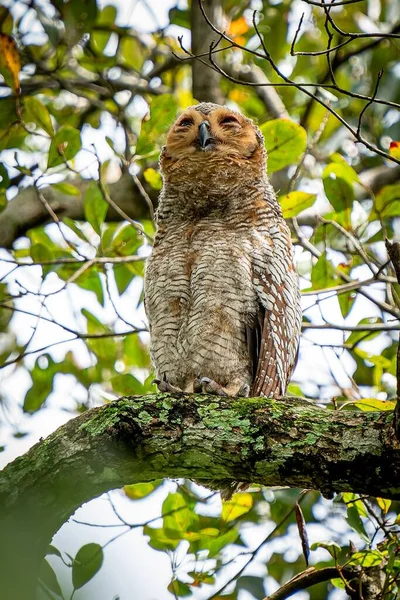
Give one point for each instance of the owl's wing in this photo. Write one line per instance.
(275, 335)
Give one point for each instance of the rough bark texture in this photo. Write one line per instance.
(393, 249)
(288, 442)
(26, 210)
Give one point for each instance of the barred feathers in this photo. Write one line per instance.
(221, 292)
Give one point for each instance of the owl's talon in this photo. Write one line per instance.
(244, 391)
(197, 387)
(209, 386)
(164, 386)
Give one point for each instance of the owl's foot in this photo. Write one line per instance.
(209, 386)
(206, 385)
(164, 385)
(244, 391)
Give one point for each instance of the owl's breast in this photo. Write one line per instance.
(199, 298)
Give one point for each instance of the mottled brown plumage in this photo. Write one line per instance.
(222, 294)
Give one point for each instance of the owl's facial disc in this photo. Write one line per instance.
(213, 139)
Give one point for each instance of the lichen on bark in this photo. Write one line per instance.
(287, 441)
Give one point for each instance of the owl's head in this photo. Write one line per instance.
(213, 140)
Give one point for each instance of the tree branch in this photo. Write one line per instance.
(26, 211)
(286, 442)
(268, 95)
(307, 579)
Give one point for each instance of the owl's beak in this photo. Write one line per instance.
(205, 138)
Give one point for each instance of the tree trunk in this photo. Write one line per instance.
(286, 442)
(206, 81)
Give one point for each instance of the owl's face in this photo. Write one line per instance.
(213, 138)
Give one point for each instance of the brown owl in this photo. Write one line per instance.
(222, 294)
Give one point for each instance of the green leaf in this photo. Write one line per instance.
(123, 276)
(40, 253)
(4, 178)
(126, 241)
(387, 202)
(285, 141)
(354, 520)
(136, 353)
(86, 564)
(137, 491)
(126, 384)
(76, 227)
(79, 17)
(346, 302)
(106, 16)
(4, 184)
(293, 203)
(180, 589)
(159, 539)
(366, 558)
(338, 190)
(202, 577)
(52, 550)
(94, 206)
(66, 143)
(6, 21)
(323, 274)
(332, 547)
(215, 544)
(66, 188)
(42, 383)
(88, 280)
(48, 577)
(341, 168)
(103, 347)
(356, 336)
(351, 499)
(36, 112)
(176, 516)
(162, 113)
(179, 16)
(153, 178)
(132, 52)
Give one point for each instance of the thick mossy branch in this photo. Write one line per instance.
(287, 442)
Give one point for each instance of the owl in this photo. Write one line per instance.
(221, 291)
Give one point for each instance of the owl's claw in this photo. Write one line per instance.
(164, 385)
(244, 391)
(209, 386)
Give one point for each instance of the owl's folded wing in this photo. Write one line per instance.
(275, 335)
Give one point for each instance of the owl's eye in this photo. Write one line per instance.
(229, 120)
(186, 122)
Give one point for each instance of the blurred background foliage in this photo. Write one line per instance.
(87, 93)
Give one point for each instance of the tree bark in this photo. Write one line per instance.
(26, 211)
(286, 442)
(205, 80)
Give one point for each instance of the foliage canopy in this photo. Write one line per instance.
(85, 101)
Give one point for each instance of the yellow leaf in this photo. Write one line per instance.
(370, 404)
(239, 505)
(238, 27)
(238, 96)
(384, 504)
(10, 63)
(394, 149)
